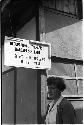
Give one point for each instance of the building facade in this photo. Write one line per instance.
(25, 92)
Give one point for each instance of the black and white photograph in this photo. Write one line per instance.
(41, 57)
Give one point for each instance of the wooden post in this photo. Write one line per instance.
(43, 72)
(40, 36)
(42, 24)
(43, 94)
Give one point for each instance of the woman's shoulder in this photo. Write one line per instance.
(65, 103)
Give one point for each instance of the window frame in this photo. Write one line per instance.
(75, 63)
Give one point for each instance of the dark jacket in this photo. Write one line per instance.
(65, 113)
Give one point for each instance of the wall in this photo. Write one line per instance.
(56, 20)
(28, 31)
(7, 89)
(65, 35)
(8, 98)
(26, 86)
(26, 105)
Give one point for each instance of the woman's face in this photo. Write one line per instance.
(54, 92)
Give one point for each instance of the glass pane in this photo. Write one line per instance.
(60, 69)
(80, 87)
(79, 71)
(71, 88)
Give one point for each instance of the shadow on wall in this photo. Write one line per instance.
(56, 21)
(79, 116)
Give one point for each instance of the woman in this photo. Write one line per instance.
(60, 110)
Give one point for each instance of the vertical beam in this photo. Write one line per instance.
(15, 86)
(38, 72)
(41, 74)
(42, 24)
(75, 69)
(43, 94)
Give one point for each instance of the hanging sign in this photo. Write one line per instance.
(27, 53)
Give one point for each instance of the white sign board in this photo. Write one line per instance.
(27, 53)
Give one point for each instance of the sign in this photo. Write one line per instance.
(27, 53)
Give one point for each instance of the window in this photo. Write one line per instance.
(72, 72)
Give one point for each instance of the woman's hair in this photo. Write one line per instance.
(57, 82)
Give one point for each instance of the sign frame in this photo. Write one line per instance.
(30, 43)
